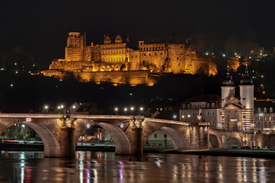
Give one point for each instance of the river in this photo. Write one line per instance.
(94, 167)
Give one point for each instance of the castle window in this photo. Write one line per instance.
(265, 110)
(270, 109)
(213, 104)
(259, 109)
(183, 106)
(202, 105)
(207, 104)
(155, 136)
(160, 53)
(213, 113)
(269, 118)
(165, 136)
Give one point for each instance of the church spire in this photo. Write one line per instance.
(246, 80)
(228, 80)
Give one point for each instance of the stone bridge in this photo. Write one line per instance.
(60, 132)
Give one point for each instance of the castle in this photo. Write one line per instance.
(115, 62)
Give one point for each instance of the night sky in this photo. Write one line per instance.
(41, 27)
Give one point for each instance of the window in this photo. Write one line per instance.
(183, 106)
(213, 104)
(155, 136)
(193, 105)
(188, 105)
(198, 105)
(202, 105)
(165, 136)
(244, 98)
(213, 113)
(259, 109)
(208, 113)
(269, 118)
(202, 113)
(207, 104)
(270, 109)
(265, 110)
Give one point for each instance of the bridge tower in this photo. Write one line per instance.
(247, 101)
(227, 88)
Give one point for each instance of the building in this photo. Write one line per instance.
(205, 108)
(115, 62)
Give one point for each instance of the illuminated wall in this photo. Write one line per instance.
(117, 56)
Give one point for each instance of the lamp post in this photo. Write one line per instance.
(116, 109)
(141, 109)
(46, 107)
(125, 109)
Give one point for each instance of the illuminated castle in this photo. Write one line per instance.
(115, 62)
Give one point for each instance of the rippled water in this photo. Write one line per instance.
(89, 167)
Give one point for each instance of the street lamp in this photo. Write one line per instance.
(116, 109)
(175, 116)
(125, 109)
(132, 108)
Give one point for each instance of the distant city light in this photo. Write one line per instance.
(239, 56)
(23, 126)
(263, 92)
(131, 94)
(132, 108)
(58, 107)
(174, 116)
(11, 85)
(28, 119)
(74, 106)
(182, 116)
(212, 53)
(16, 72)
(223, 55)
(29, 71)
(125, 109)
(141, 108)
(116, 109)
(188, 116)
(46, 107)
(33, 65)
(60, 79)
(262, 76)
(62, 106)
(2, 69)
(15, 63)
(206, 53)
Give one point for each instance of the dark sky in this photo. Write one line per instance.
(41, 27)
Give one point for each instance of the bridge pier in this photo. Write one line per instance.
(67, 142)
(137, 145)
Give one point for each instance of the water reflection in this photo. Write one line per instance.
(95, 167)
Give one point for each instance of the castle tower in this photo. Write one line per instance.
(75, 47)
(247, 101)
(227, 88)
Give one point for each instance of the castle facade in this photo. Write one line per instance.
(115, 62)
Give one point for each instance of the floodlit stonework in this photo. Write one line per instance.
(115, 62)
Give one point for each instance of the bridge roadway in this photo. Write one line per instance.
(60, 132)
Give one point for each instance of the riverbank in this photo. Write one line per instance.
(257, 153)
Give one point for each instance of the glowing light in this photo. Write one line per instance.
(28, 119)
(62, 106)
(116, 109)
(16, 72)
(46, 107)
(188, 116)
(88, 126)
(141, 108)
(15, 63)
(206, 53)
(182, 116)
(58, 107)
(125, 109)
(132, 108)
(23, 126)
(174, 116)
(11, 85)
(223, 55)
(74, 106)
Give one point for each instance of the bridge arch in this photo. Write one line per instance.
(214, 141)
(122, 142)
(51, 144)
(178, 140)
